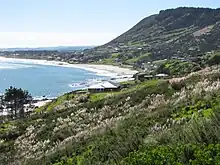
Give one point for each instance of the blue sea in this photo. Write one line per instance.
(43, 79)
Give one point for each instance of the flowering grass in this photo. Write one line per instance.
(149, 118)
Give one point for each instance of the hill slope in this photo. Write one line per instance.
(153, 122)
(174, 32)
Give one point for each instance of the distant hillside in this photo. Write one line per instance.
(58, 48)
(182, 32)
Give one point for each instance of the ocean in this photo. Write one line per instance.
(42, 78)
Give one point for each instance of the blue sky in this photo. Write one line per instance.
(33, 23)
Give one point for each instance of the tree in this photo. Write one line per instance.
(1, 104)
(15, 99)
(163, 69)
(214, 60)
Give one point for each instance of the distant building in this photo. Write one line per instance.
(161, 75)
(117, 60)
(148, 77)
(49, 57)
(143, 76)
(104, 86)
(58, 58)
(174, 57)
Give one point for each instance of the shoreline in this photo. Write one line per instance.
(100, 69)
(111, 71)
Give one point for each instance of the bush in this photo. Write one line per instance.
(177, 85)
(181, 154)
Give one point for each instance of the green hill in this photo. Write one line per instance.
(182, 32)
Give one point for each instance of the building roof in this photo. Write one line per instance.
(96, 86)
(141, 74)
(103, 85)
(148, 76)
(161, 75)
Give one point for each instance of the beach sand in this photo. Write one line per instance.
(106, 70)
(41, 103)
(101, 70)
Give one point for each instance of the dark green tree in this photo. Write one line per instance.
(214, 60)
(1, 104)
(15, 99)
(163, 69)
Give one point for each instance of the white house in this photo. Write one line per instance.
(161, 75)
(104, 86)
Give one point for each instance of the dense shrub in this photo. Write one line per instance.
(180, 154)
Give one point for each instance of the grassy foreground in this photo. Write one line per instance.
(172, 121)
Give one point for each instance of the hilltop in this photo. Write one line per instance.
(181, 32)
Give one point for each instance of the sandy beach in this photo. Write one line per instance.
(102, 70)
(107, 69)
(41, 103)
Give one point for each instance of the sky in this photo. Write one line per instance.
(43, 23)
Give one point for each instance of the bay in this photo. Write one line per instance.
(42, 79)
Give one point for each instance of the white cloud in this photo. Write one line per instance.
(32, 39)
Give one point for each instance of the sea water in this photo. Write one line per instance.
(43, 79)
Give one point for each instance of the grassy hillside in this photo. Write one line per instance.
(182, 32)
(172, 121)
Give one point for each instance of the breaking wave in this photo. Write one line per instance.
(13, 66)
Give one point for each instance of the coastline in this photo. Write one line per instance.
(100, 69)
(111, 71)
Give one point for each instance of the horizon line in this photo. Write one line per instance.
(37, 47)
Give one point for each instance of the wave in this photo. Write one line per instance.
(33, 62)
(13, 66)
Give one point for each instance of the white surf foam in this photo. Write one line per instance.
(100, 70)
(11, 65)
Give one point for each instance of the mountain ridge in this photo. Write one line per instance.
(184, 31)
(163, 15)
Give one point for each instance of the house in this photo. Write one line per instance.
(148, 77)
(117, 49)
(143, 76)
(161, 75)
(104, 86)
(117, 60)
